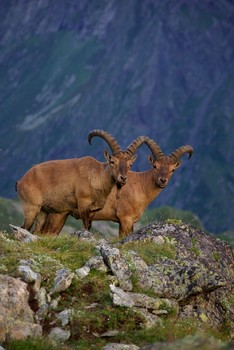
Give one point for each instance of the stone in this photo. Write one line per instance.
(118, 265)
(198, 280)
(65, 316)
(54, 303)
(130, 299)
(23, 235)
(110, 334)
(150, 320)
(59, 335)
(42, 299)
(85, 235)
(97, 263)
(83, 272)
(28, 275)
(16, 318)
(119, 297)
(63, 281)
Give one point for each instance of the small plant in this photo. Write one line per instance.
(194, 248)
(216, 255)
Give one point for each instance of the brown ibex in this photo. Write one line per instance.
(80, 184)
(127, 205)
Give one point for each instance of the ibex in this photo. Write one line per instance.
(80, 184)
(127, 205)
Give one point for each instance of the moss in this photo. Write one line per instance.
(228, 302)
(216, 255)
(149, 251)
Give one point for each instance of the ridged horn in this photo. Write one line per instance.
(113, 144)
(179, 152)
(154, 147)
(135, 144)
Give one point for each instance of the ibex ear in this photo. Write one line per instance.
(133, 159)
(106, 155)
(151, 160)
(178, 164)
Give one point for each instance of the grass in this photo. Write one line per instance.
(33, 344)
(194, 248)
(89, 298)
(149, 251)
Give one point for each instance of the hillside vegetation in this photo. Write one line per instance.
(92, 317)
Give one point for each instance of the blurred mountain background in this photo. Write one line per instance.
(159, 68)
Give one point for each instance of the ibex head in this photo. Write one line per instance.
(120, 161)
(165, 165)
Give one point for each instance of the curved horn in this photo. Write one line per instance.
(113, 144)
(135, 144)
(179, 152)
(154, 147)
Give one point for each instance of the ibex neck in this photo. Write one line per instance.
(148, 185)
(108, 178)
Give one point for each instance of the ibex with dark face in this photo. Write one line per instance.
(127, 205)
(80, 184)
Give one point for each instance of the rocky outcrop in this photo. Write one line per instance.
(200, 277)
(16, 318)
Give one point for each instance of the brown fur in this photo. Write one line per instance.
(62, 186)
(127, 205)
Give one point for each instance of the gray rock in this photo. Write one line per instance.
(54, 303)
(110, 334)
(142, 300)
(119, 297)
(85, 235)
(42, 299)
(179, 278)
(201, 273)
(29, 276)
(59, 335)
(23, 235)
(83, 272)
(97, 263)
(118, 265)
(65, 316)
(150, 320)
(16, 318)
(129, 299)
(63, 281)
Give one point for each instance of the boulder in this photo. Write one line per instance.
(16, 318)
